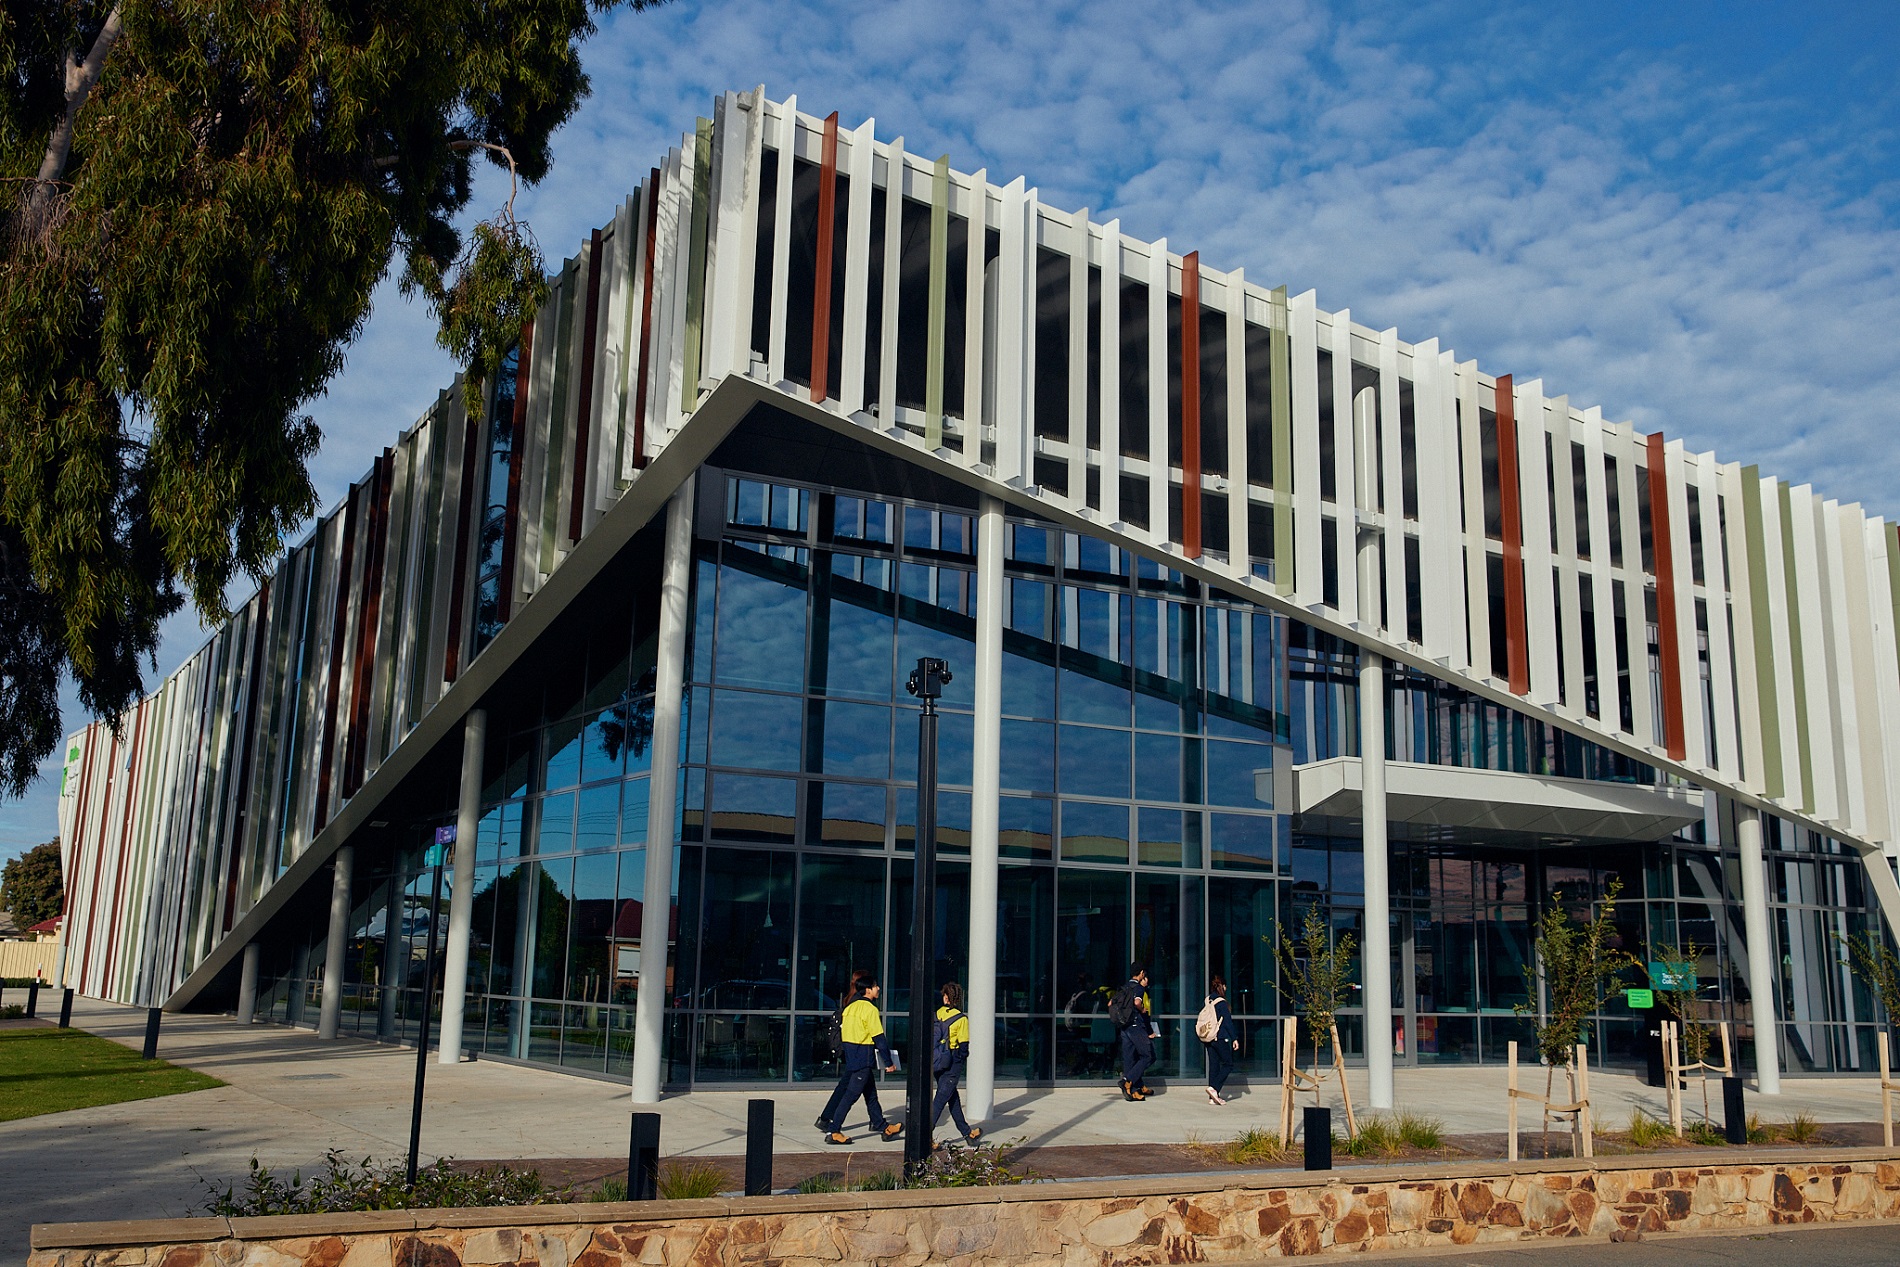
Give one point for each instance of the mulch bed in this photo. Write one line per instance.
(1103, 1161)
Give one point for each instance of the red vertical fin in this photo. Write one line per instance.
(1516, 636)
(821, 274)
(1666, 614)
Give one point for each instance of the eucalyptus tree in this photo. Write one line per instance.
(197, 200)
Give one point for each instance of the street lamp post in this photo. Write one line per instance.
(927, 684)
(444, 837)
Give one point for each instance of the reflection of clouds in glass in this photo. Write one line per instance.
(858, 654)
(759, 731)
(761, 631)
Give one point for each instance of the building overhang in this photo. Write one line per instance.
(1491, 800)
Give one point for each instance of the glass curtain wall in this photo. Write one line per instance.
(1144, 721)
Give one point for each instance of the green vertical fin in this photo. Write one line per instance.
(1280, 372)
(939, 300)
(1773, 777)
(1797, 661)
(696, 263)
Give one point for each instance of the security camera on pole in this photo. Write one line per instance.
(926, 683)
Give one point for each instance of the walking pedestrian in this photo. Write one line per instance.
(861, 1035)
(1215, 1028)
(1129, 1012)
(949, 1053)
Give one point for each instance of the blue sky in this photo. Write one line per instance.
(1686, 212)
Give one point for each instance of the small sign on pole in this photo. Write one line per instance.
(1639, 1000)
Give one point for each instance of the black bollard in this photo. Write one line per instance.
(33, 999)
(643, 1158)
(1735, 1117)
(758, 1148)
(66, 1009)
(151, 1032)
(1319, 1139)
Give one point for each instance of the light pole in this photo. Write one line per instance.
(444, 837)
(927, 684)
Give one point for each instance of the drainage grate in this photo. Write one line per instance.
(307, 1077)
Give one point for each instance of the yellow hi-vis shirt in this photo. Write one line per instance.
(959, 1028)
(861, 1023)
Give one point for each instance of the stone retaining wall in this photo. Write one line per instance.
(1197, 1218)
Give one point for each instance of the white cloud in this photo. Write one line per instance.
(1715, 257)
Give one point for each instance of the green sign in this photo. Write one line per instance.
(435, 855)
(1640, 999)
(1672, 976)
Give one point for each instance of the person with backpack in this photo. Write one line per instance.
(1128, 1012)
(1215, 1028)
(948, 1054)
(861, 1038)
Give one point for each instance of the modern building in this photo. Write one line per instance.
(810, 407)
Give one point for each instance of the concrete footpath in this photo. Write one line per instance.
(292, 1097)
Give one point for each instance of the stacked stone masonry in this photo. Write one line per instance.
(1094, 1223)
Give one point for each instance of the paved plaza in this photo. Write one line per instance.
(292, 1097)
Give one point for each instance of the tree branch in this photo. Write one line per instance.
(513, 175)
(81, 78)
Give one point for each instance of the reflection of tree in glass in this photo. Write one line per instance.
(628, 723)
(501, 903)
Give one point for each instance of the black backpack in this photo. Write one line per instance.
(834, 1033)
(942, 1055)
(1122, 1008)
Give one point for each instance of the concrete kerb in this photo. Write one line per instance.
(143, 1232)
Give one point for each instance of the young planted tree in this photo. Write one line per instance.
(1879, 970)
(197, 200)
(1576, 961)
(1318, 973)
(1678, 987)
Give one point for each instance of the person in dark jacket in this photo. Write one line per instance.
(865, 1047)
(1130, 1012)
(957, 1041)
(1224, 1046)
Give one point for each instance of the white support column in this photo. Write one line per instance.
(1763, 979)
(247, 986)
(669, 682)
(468, 815)
(336, 943)
(985, 779)
(1378, 945)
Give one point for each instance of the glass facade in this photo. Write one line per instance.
(1145, 720)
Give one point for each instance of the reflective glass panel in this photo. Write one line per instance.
(1094, 833)
(760, 809)
(841, 926)
(1094, 761)
(848, 815)
(756, 731)
(597, 817)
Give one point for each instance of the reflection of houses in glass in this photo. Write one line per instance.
(1165, 523)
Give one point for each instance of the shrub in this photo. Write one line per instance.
(12, 1011)
(345, 1186)
(1759, 1132)
(1253, 1146)
(611, 1189)
(1802, 1129)
(1420, 1130)
(683, 1181)
(955, 1166)
(1646, 1132)
(819, 1183)
(880, 1181)
(1705, 1134)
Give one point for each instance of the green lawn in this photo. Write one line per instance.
(52, 1070)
